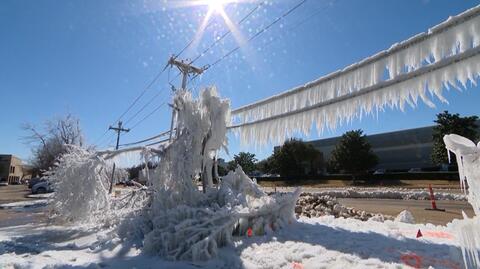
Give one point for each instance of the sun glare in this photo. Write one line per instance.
(216, 6)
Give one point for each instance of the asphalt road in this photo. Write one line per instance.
(453, 209)
(10, 217)
(15, 193)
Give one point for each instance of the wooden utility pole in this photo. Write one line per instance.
(118, 129)
(186, 69)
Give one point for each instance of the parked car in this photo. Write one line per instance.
(415, 170)
(34, 181)
(379, 172)
(3, 182)
(42, 187)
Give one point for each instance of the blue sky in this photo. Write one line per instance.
(92, 58)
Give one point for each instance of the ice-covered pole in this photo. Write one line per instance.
(467, 230)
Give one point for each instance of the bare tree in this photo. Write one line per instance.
(49, 141)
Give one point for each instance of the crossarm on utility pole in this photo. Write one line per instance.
(186, 69)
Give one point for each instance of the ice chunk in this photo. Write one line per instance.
(406, 217)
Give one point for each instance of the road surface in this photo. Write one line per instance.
(11, 217)
(453, 209)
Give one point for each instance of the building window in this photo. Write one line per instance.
(12, 169)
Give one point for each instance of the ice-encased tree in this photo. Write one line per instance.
(182, 222)
(80, 179)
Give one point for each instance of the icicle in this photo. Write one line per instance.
(446, 40)
(467, 230)
(330, 113)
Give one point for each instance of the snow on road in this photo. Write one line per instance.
(24, 204)
(323, 242)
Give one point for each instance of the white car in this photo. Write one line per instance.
(379, 172)
(42, 187)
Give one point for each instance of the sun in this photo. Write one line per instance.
(216, 6)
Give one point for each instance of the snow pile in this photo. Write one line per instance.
(316, 205)
(406, 217)
(442, 57)
(24, 204)
(468, 160)
(324, 242)
(81, 183)
(377, 218)
(388, 193)
(182, 223)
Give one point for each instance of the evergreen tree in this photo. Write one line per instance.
(451, 124)
(295, 158)
(246, 160)
(353, 154)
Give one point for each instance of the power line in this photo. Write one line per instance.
(191, 41)
(458, 58)
(214, 43)
(158, 142)
(147, 116)
(170, 80)
(100, 138)
(150, 85)
(301, 22)
(206, 50)
(136, 99)
(146, 140)
(288, 12)
(143, 107)
(228, 32)
(143, 92)
(293, 27)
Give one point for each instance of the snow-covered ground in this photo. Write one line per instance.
(323, 242)
(24, 204)
(319, 242)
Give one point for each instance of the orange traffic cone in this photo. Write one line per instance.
(419, 233)
(432, 199)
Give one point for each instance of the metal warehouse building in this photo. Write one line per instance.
(403, 149)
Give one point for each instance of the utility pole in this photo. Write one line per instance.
(186, 69)
(118, 129)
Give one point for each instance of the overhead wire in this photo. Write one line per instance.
(146, 139)
(148, 115)
(213, 44)
(258, 33)
(148, 87)
(224, 35)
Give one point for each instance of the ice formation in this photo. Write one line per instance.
(468, 160)
(184, 223)
(406, 217)
(171, 217)
(467, 155)
(81, 180)
(445, 55)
